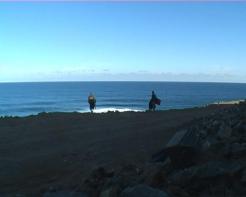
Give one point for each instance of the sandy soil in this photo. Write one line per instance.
(37, 152)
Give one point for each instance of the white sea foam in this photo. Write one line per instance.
(113, 109)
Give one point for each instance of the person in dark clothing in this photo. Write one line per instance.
(153, 97)
(153, 102)
(152, 105)
(92, 102)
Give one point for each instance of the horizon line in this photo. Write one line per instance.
(2, 82)
(125, 1)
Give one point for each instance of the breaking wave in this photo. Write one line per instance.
(113, 109)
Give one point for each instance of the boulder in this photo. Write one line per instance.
(209, 170)
(181, 149)
(143, 191)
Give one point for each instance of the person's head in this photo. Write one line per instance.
(153, 92)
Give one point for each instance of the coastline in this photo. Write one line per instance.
(123, 110)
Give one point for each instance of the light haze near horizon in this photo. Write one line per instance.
(123, 42)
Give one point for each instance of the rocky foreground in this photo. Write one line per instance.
(207, 158)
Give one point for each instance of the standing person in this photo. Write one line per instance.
(153, 97)
(154, 101)
(92, 102)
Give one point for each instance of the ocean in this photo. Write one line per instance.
(22, 99)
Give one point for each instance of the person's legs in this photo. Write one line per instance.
(154, 106)
(91, 108)
(150, 106)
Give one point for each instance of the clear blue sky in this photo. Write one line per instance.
(123, 41)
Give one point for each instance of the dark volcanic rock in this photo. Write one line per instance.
(113, 191)
(224, 132)
(205, 158)
(210, 170)
(236, 150)
(243, 178)
(181, 149)
(65, 194)
(97, 180)
(213, 151)
(155, 174)
(143, 191)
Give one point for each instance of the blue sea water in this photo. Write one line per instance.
(21, 99)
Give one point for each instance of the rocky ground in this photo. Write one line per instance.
(212, 164)
(205, 157)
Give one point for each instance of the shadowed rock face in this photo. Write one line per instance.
(219, 166)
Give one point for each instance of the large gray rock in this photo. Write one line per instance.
(185, 138)
(181, 149)
(208, 170)
(143, 191)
